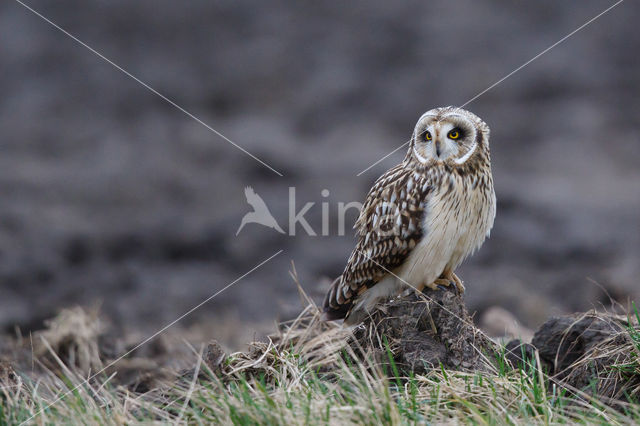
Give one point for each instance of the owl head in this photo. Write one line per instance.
(448, 135)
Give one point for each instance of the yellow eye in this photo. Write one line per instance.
(454, 134)
(427, 135)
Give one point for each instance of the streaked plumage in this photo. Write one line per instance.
(422, 218)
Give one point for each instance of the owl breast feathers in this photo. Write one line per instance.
(422, 218)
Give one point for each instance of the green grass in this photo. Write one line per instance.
(309, 377)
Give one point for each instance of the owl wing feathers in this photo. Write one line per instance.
(388, 228)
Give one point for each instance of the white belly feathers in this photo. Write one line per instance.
(455, 224)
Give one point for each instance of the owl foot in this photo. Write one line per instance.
(451, 276)
(440, 284)
(447, 280)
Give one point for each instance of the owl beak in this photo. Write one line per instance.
(438, 148)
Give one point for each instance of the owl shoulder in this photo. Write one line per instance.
(399, 189)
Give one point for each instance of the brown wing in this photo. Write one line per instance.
(388, 229)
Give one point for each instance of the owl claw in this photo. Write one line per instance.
(458, 283)
(439, 284)
(446, 281)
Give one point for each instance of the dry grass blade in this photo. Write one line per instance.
(313, 372)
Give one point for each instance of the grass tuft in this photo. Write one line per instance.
(309, 375)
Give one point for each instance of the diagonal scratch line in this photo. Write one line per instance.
(153, 336)
(383, 158)
(145, 85)
(563, 39)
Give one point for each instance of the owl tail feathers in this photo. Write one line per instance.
(335, 307)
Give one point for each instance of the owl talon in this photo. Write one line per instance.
(439, 284)
(459, 285)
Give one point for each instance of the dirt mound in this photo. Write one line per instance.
(589, 353)
(592, 352)
(423, 331)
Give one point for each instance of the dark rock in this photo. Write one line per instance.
(593, 354)
(561, 341)
(610, 371)
(8, 376)
(214, 357)
(519, 353)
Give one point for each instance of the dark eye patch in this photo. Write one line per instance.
(455, 133)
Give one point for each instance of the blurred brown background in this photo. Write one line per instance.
(110, 195)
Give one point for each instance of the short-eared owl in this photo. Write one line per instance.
(422, 218)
